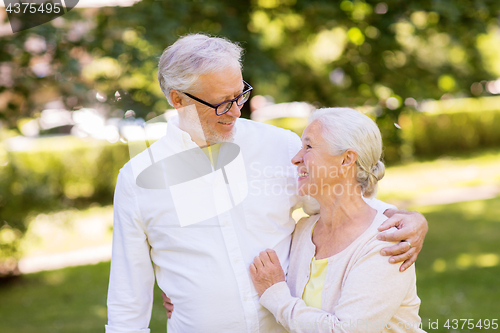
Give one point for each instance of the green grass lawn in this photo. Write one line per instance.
(420, 178)
(458, 275)
(458, 271)
(70, 300)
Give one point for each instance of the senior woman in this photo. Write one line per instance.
(337, 280)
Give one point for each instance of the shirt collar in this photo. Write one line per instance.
(178, 137)
(182, 139)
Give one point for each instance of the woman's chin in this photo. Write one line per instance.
(303, 191)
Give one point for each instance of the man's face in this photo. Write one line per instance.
(214, 89)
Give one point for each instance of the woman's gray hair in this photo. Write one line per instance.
(344, 129)
(193, 55)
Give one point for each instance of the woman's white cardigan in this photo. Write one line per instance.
(362, 292)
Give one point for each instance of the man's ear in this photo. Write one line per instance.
(176, 99)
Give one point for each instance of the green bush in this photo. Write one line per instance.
(55, 173)
(432, 135)
(463, 127)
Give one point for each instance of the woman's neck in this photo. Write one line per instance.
(349, 206)
(343, 218)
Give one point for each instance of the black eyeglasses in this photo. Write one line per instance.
(225, 106)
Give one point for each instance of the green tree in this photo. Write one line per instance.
(332, 53)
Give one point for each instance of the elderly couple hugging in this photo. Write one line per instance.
(206, 211)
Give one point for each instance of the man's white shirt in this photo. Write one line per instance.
(198, 228)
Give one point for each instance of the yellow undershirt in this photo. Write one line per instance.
(314, 287)
(212, 153)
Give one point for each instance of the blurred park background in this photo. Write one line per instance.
(75, 91)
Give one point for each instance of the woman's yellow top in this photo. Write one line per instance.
(314, 287)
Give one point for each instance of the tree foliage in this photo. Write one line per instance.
(347, 53)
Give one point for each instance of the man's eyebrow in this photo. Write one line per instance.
(228, 97)
(306, 139)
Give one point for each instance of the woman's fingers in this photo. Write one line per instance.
(253, 270)
(167, 304)
(265, 261)
(259, 265)
(165, 298)
(264, 257)
(273, 257)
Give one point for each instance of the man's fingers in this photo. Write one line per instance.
(390, 212)
(402, 257)
(396, 249)
(392, 250)
(408, 262)
(395, 236)
(393, 221)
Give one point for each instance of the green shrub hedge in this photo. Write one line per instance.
(435, 134)
(54, 173)
(451, 127)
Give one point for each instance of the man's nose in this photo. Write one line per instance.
(235, 110)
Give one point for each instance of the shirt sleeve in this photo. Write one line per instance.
(131, 281)
(371, 295)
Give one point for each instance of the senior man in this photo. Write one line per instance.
(198, 205)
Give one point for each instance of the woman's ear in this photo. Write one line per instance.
(349, 158)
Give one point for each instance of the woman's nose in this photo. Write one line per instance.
(297, 159)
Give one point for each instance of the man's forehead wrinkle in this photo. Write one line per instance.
(231, 96)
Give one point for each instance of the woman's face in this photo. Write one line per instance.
(319, 172)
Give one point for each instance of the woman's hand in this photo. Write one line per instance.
(167, 304)
(266, 270)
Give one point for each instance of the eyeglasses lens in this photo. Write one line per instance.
(243, 98)
(223, 108)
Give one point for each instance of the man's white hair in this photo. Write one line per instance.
(343, 129)
(193, 55)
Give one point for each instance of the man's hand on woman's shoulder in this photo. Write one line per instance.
(412, 228)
